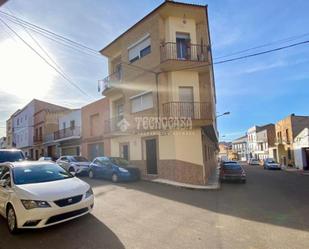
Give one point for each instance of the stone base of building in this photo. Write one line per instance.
(175, 170)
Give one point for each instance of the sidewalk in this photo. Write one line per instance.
(299, 171)
(213, 183)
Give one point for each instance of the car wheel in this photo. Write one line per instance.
(11, 220)
(91, 174)
(71, 170)
(114, 178)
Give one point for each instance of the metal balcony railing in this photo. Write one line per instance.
(184, 52)
(193, 110)
(67, 133)
(109, 81)
(49, 138)
(37, 139)
(114, 124)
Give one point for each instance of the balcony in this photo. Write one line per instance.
(114, 125)
(49, 138)
(180, 55)
(193, 110)
(110, 82)
(38, 139)
(282, 141)
(68, 133)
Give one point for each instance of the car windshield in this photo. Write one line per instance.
(120, 161)
(78, 159)
(271, 161)
(39, 173)
(232, 166)
(11, 156)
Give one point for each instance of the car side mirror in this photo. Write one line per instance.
(3, 183)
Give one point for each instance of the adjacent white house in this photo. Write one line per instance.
(301, 149)
(260, 139)
(3, 143)
(23, 128)
(68, 136)
(240, 146)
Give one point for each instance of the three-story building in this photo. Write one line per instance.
(160, 71)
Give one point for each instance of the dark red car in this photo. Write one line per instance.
(232, 172)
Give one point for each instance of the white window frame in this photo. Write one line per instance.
(138, 46)
(141, 107)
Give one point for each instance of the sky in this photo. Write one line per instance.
(257, 90)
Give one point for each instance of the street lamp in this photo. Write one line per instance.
(226, 113)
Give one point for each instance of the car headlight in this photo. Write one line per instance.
(123, 170)
(89, 193)
(28, 204)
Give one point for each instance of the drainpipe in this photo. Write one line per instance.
(157, 85)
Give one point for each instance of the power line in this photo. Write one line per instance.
(288, 39)
(46, 61)
(45, 51)
(49, 32)
(246, 56)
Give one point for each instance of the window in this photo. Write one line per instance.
(63, 125)
(142, 102)
(145, 51)
(72, 124)
(139, 49)
(124, 151)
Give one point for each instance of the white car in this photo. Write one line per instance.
(45, 158)
(254, 161)
(74, 164)
(41, 194)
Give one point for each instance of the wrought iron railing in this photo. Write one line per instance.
(109, 81)
(68, 132)
(193, 110)
(189, 52)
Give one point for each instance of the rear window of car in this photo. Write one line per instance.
(232, 166)
(78, 159)
(11, 156)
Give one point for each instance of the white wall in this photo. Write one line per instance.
(301, 141)
(74, 115)
(23, 127)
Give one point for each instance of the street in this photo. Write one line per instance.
(270, 211)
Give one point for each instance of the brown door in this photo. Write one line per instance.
(151, 156)
(186, 99)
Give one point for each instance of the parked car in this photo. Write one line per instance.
(11, 155)
(271, 164)
(232, 171)
(227, 162)
(113, 168)
(45, 158)
(254, 161)
(41, 194)
(74, 164)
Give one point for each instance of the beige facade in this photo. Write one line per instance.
(94, 143)
(287, 130)
(46, 124)
(159, 69)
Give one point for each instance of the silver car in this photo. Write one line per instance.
(74, 164)
(271, 164)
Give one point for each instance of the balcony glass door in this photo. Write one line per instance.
(186, 105)
(182, 41)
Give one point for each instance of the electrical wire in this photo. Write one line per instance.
(46, 61)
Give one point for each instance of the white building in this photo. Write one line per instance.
(240, 146)
(68, 136)
(301, 149)
(260, 139)
(23, 128)
(3, 143)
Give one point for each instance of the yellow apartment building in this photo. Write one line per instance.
(160, 73)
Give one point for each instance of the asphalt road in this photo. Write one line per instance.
(270, 211)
